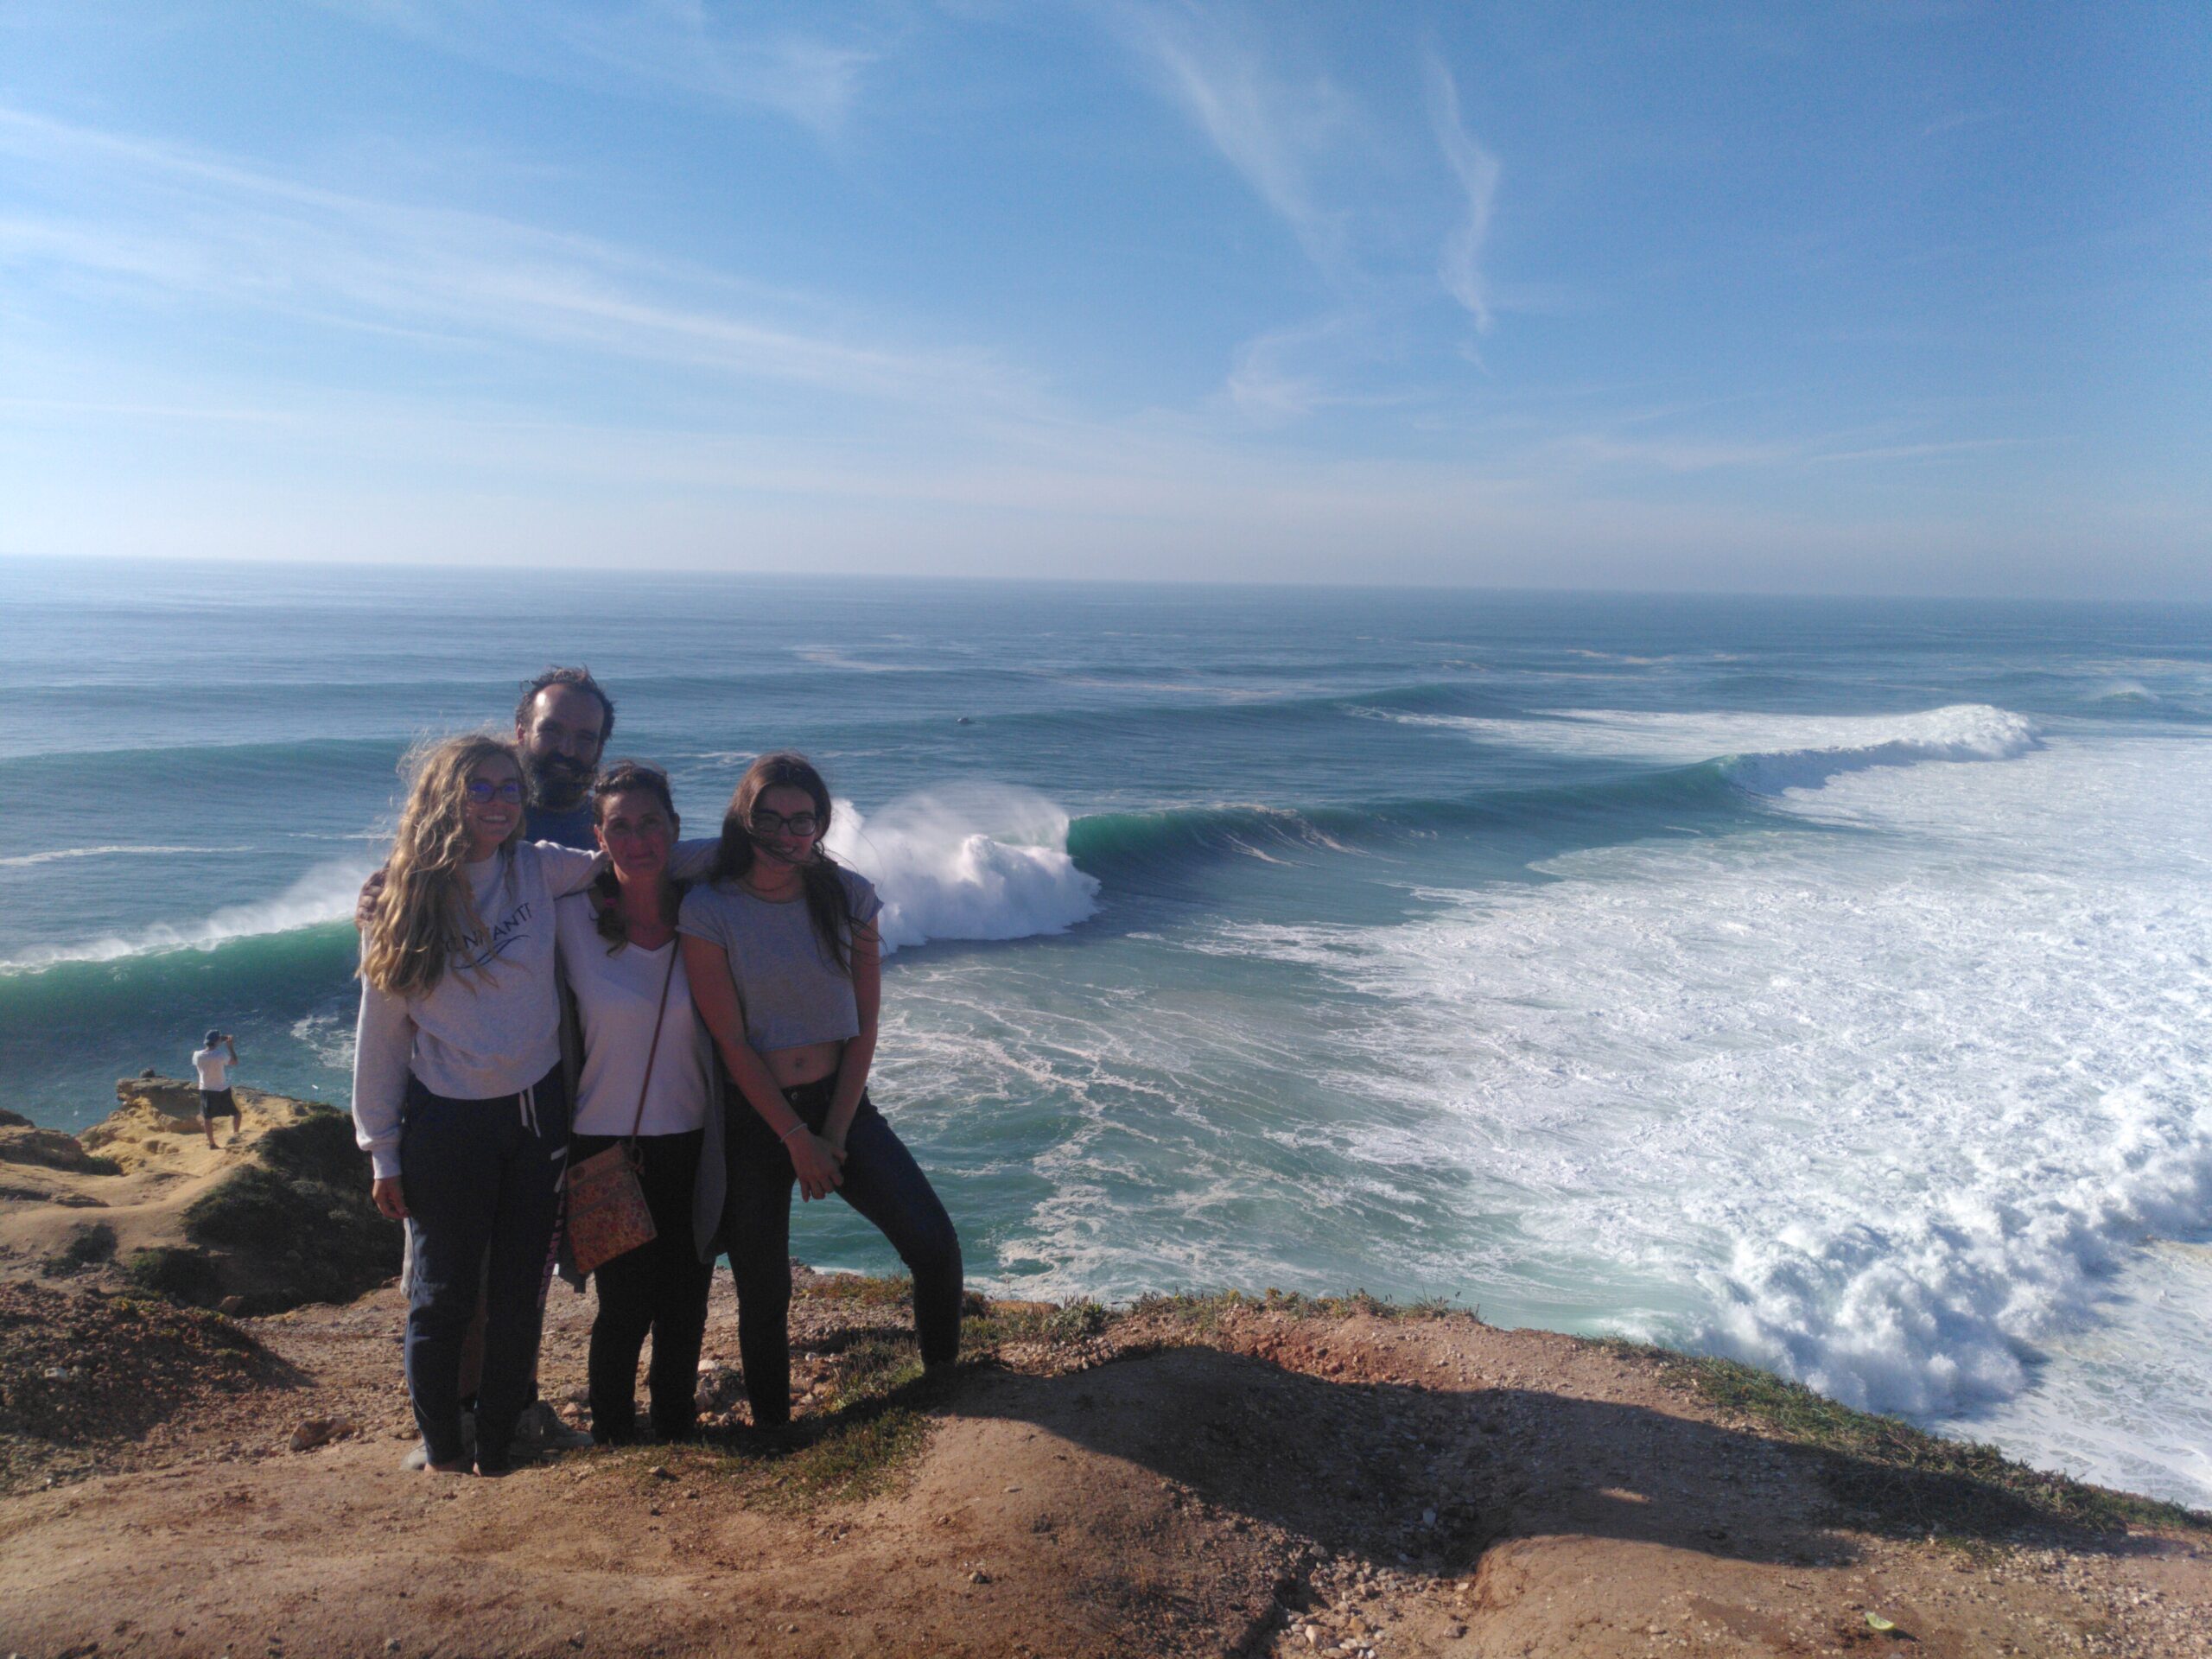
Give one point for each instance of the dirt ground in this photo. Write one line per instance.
(1219, 1476)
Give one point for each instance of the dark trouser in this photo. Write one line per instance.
(661, 1287)
(883, 1182)
(482, 1179)
(218, 1103)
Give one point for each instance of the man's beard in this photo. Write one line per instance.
(559, 782)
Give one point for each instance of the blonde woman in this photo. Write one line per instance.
(459, 1097)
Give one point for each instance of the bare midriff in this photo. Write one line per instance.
(806, 1062)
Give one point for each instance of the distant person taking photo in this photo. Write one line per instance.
(213, 1062)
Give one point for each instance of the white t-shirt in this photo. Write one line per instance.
(617, 998)
(213, 1065)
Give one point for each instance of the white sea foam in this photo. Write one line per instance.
(1900, 1106)
(974, 862)
(22, 861)
(328, 1035)
(1767, 754)
(325, 893)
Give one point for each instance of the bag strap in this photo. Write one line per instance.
(637, 1121)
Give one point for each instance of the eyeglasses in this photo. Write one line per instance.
(481, 794)
(766, 823)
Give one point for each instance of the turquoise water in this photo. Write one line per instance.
(1824, 982)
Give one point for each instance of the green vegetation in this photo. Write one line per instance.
(982, 1333)
(893, 1290)
(849, 1464)
(1903, 1474)
(300, 1217)
(871, 1371)
(858, 1441)
(91, 1244)
(1205, 1312)
(179, 1274)
(23, 1142)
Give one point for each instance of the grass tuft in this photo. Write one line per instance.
(88, 1246)
(1905, 1474)
(859, 1441)
(1205, 1312)
(867, 1290)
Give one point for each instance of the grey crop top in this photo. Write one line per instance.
(790, 989)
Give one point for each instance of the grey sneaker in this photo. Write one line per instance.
(418, 1458)
(540, 1428)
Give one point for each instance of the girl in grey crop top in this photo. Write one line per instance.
(786, 967)
(790, 989)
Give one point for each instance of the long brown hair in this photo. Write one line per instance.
(828, 904)
(426, 912)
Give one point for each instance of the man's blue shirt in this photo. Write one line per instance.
(568, 827)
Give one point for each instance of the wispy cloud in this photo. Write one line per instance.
(1273, 131)
(1262, 384)
(166, 223)
(1476, 171)
(651, 44)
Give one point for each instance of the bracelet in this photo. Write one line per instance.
(786, 1135)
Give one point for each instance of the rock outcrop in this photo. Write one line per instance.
(276, 1214)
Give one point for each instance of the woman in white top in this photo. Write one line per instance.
(458, 1093)
(647, 1078)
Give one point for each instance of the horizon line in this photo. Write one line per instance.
(1177, 583)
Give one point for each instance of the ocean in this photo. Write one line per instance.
(1826, 983)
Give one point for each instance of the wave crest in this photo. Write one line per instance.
(1967, 731)
(325, 893)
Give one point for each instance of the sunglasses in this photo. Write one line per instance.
(483, 793)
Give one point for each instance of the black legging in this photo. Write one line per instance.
(883, 1182)
(659, 1287)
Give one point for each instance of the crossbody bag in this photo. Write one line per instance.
(608, 1213)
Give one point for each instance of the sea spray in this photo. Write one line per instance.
(972, 861)
(1898, 1117)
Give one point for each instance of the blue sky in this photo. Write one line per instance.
(1854, 297)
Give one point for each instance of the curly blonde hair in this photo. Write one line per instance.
(426, 911)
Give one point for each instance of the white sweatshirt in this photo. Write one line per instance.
(492, 1025)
